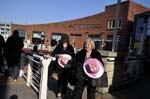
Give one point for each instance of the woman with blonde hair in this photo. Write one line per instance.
(82, 79)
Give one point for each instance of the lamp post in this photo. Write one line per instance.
(42, 39)
(116, 25)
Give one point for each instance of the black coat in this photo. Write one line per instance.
(54, 66)
(13, 47)
(2, 44)
(79, 61)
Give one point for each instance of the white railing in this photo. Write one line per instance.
(36, 74)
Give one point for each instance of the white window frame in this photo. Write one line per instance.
(111, 24)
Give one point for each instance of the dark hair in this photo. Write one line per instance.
(35, 49)
(15, 33)
(65, 38)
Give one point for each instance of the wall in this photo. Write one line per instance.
(96, 25)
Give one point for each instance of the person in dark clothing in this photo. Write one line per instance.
(2, 44)
(12, 52)
(82, 79)
(63, 48)
(35, 48)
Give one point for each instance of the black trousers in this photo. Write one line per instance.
(13, 66)
(1, 62)
(62, 80)
(79, 88)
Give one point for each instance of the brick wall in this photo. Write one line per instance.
(95, 24)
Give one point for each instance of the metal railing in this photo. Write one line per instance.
(36, 73)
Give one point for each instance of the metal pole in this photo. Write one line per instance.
(142, 41)
(116, 25)
(42, 39)
(41, 43)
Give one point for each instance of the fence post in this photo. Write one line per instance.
(29, 74)
(21, 64)
(44, 78)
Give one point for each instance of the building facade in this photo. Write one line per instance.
(142, 32)
(99, 27)
(5, 29)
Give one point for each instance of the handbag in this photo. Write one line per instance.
(101, 82)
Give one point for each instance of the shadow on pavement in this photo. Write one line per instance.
(14, 97)
(3, 86)
(138, 90)
(52, 86)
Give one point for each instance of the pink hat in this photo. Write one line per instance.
(63, 59)
(93, 68)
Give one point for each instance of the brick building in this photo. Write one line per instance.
(99, 27)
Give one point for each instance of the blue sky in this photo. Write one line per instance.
(49, 11)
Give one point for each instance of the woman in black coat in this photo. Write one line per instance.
(12, 52)
(82, 79)
(2, 44)
(63, 48)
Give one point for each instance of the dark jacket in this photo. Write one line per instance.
(79, 61)
(2, 44)
(60, 50)
(13, 47)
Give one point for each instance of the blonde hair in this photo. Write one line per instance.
(90, 41)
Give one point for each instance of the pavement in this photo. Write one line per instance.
(10, 89)
(138, 90)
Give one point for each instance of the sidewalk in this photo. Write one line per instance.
(52, 86)
(18, 90)
(138, 90)
(10, 89)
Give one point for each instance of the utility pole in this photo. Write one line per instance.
(117, 18)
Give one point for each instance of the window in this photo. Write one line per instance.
(6, 33)
(2, 29)
(111, 24)
(7, 29)
(37, 37)
(7, 25)
(2, 32)
(22, 33)
(2, 24)
(56, 38)
(96, 39)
